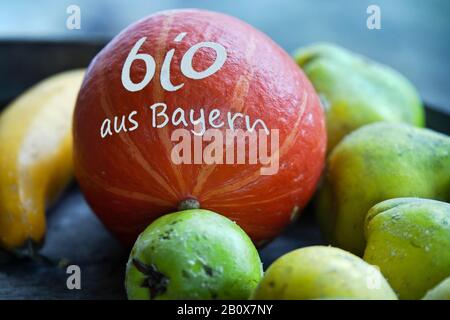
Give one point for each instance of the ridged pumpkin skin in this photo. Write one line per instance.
(129, 179)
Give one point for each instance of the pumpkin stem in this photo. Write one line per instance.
(189, 203)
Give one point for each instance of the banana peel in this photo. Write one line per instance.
(35, 157)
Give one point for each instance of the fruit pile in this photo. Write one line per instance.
(337, 117)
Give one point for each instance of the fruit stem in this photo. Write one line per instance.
(155, 281)
(188, 204)
(30, 250)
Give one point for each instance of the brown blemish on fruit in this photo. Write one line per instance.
(155, 281)
(208, 270)
(166, 235)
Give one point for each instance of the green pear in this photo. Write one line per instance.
(409, 240)
(320, 272)
(192, 254)
(356, 91)
(377, 162)
(440, 292)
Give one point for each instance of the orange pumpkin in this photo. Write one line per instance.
(123, 162)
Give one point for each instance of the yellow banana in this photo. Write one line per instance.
(35, 156)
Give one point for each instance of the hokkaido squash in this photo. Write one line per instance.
(178, 68)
